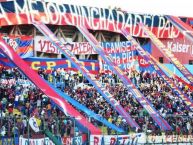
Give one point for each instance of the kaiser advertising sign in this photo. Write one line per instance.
(181, 48)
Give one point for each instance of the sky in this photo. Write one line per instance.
(157, 7)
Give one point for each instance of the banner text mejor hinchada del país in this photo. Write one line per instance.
(25, 11)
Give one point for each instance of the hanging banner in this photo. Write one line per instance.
(140, 138)
(23, 45)
(50, 64)
(39, 141)
(40, 83)
(86, 110)
(109, 98)
(122, 52)
(167, 53)
(124, 58)
(42, 44)
(91, 65)
(126, 61)
(25, 11)
(132, 139)
(121, 57)
(170, 139)
(126, 81)
(159, 71)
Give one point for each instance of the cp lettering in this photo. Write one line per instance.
(50, 65)
(36, 65)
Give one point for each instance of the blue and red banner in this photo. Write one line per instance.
(50, 64)
(167, 53)
(158, 69)
(18, 12)
(109, 97)
(23, 45)
(124, 57)
(45, 88)
(86, 110)
(125, 79)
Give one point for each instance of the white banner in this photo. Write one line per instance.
(42, 44)
(40, 141)
(187, 139)
(33, 124)
(114, 139)
(140, 138)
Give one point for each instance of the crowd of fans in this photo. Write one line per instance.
(20, 100)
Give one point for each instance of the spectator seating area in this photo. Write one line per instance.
(20, 100)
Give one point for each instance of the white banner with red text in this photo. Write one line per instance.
(140, 138)
(42, 44)
(115, 139)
